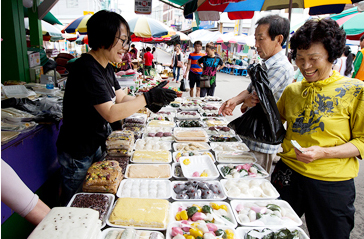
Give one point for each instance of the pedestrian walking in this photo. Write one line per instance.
(344, 64)
(148, 60)
(176, 63)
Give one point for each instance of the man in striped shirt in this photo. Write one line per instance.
(193, 69)
(270, 35)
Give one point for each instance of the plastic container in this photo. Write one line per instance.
(263, 173)
(15, 115)
(188, 115)
(50, 83)
(218, 130)
(224, 138)
(215, 121)
(197, 166)
(219, 220)
(249, 186)
(111, 202)
(159, 133)
(235, 157)
(136, 118)
(149, 171)
(191, 146)
(291, 218)
(175, 166)
(144, 188)
(178, 224)
(151, 144)
(151, 156)
(190, 135)
(190, 123)
(242, 231)
(139, 233)
(223, 146)
(176, 155)
(160, 123)
(219, 196)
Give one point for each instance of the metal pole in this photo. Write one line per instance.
(289, 19)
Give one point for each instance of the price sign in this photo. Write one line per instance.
(143, 6)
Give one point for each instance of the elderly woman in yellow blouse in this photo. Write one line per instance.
(325, 115)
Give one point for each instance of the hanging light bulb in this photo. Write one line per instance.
(28, 3)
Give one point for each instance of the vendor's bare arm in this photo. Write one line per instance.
(121, 97)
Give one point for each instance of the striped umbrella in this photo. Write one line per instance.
(78, 25)
(352, 22)
(49, 31)
(147, 27)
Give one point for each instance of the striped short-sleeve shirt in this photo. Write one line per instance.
(194, 62)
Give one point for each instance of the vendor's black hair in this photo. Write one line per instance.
(277, 26)
(103, 27)
(326, 31)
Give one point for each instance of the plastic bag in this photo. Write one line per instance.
(182, 87)
(261, 123)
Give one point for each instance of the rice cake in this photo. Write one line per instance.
(138, 212)
(149, 171)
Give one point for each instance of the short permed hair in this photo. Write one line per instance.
(197, 43)
(326, 31)
(103, 27)
(277, 26)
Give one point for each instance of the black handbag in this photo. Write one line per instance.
(262, 123)
(182, 87)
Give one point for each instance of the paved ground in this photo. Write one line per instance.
(229, 86)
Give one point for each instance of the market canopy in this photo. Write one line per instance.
(352, 22)
(49, 32)
(147, 27)
(49, 17)
(204, 36)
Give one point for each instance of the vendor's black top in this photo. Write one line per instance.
(84, 129)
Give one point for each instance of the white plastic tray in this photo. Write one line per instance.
(146, 185)
(235, 157)
(256, 182)
(153, 142)
(225, 140)
(111, 202)
(220, 197)
(181, 115)
(204, 146)
(159, 129)
(232, 146)
(199, 164)
(160, 123)
(16, 91)
(142, 228)
(177, 224)
(192, 108)
(152, 160)
(190, 139)
(104, 233)
(296, 221)
(215, 121)
(265, 174)
(229, 133)
(151, 167)
(218, 220)
(201, 127)
(173, 171)
(202, 152)
(241, 231)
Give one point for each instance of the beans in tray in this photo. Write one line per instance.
(190, 123)
(98, 202)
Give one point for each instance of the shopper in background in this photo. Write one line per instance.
(133, 52)
(194, 71)
(126, 62)
(155, 55)
(142, 52)
(147, 60)
(270, 35)
(93, 99)
(344, 64)
(210, 64)
(177, 64)
(359, 62)
(325, 115)
(16, 195)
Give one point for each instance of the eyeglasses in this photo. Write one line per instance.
(126, 41)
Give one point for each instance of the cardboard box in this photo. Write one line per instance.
(34, 58)
(35, 73)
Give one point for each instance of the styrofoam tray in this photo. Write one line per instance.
(225, 138)
(242, 231)
(265, 174)
(179, 124)
(221, 196)
(186, 148)
(177, 224)
(141, 228)
(111, 202)
(180, 115)
(152, 160)
(165, 113)
(191, 131)
(192, 108)
(259, 182)
(232, 146)
(160, 118)
(156, 130)
(296, 221)
(152, 165)
(173, 171)
(221, 221)
(235, 157)
(202, 152)
(160, 123)
(199, 164)
(146, 185)
(104, 233)
(153, 142)
(229, 133)
(215, 121)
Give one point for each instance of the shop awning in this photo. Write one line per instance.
(50, 18)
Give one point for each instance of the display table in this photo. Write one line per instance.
(33, 156)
